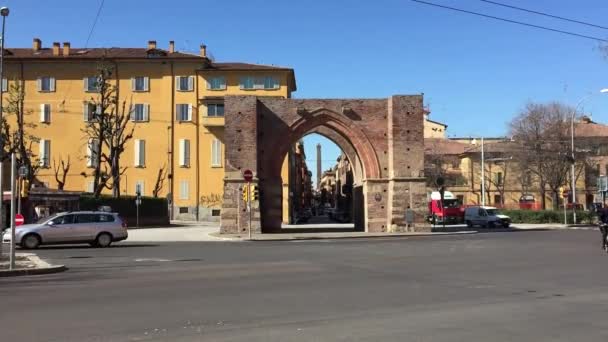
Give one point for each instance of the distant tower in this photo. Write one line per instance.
(319, 166)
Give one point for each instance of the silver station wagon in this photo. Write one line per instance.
(99, 229)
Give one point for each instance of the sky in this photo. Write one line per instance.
(475, 73)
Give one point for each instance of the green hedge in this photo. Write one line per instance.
(153, 211)
(548, 216)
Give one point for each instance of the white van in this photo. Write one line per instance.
(485, 217)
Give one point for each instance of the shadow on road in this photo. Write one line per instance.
(85, 247)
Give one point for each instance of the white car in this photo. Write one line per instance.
(485, 217)
(96, 228)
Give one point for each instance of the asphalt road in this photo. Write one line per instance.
(521, 286)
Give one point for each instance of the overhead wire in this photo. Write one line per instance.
(544, 14)
(511, 21)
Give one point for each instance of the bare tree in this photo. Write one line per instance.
(19, 139)
(160, 180)
(64, 168)
(542, 133)
(107, 132)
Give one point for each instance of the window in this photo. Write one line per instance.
(85, 218)
(4, 85)
(216, 83)
(90, 186)
(184, 190)
(139, 187)
(184, 83)
(89, 111)
(140, 112)
(247, 82)
(271, 83)
(183, 112)
(65, 219)
(45, 113)
(45, 153)
(140, 153)
(92, 147)
(216, 153)
(46, 84)
(215, 109)
(499, 178)
(91, 84)
(105, 218)
(215, 212)
(140, 83)
(184, 152)
(264, 82)
(183, 210)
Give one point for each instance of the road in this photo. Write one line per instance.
(519, 286)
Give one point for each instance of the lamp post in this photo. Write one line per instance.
(605, 90)
(4, 13)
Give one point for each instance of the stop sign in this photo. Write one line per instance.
(19, 220)
(248, 175)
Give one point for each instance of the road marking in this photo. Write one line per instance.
(151, 259)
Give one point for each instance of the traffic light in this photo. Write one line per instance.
(255, 193)
(246, 193)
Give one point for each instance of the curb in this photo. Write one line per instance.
(244, 239)
(33, 271)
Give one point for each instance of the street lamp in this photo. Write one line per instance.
(4, 13)
(603, 91)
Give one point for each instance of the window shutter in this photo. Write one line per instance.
(4, 84)
(146, 112)
(85, 112)
(222, 83)
(42, 113)
(39, 83)
(187, 152)
(146, 83)
(178, 112)
(136, 153)
(182, 152)
(51, 83)
(184, 190)
(276, 84)
(41, 153)
(86, 83)
(142, 153)
(178, 83)
(189, 112)
(90, 153)
(133, 83)
(191, 83)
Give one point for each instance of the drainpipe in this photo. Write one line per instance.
(197, 168)
(170, 147)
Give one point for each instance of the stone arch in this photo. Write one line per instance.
(384, 136)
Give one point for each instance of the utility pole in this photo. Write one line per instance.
(4, 11)
(12, 257)
(483, 176)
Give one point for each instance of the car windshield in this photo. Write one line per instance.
(492, 212)
(45, 219)
(451, 203)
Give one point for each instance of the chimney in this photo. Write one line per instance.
(203, 50)
(56, 49)
(171, 46)
(151, 44)
(66, 48)
(37, 45)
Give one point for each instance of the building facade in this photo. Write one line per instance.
(176, 104)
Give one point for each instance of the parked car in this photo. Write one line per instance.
(485, 217)
(99, 229)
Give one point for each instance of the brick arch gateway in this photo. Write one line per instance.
(383, 139)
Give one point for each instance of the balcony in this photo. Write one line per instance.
(213, 121)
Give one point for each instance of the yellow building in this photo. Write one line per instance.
(177, 110)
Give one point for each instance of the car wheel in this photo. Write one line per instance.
(469, 224)
(30, 241)
(506, 224)
(103, 240)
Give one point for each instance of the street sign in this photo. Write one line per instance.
(19, 220)
(248, 175)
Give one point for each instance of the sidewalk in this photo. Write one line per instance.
(27, 264)
(527, 226)
(190, 233)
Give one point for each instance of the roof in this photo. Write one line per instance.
(98, 53)
(444, 146)
(437, 122)
(237, 66)
(590, 129)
